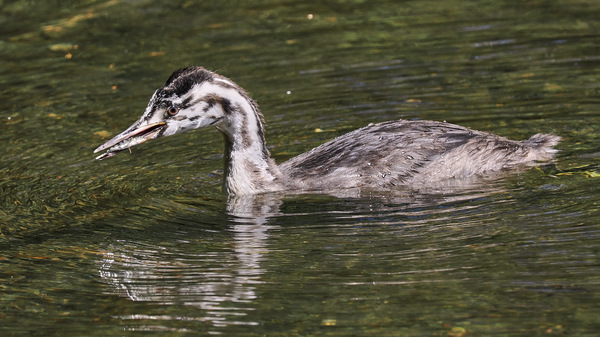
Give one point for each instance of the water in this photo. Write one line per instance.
(146, 244)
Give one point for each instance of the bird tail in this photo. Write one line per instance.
(542, 145)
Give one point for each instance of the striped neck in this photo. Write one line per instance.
(249, 169)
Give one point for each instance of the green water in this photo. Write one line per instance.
(146, 244)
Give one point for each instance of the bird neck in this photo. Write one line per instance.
(249, 168)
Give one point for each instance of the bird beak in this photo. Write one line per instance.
(134, 135)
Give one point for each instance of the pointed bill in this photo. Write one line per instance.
(134, 135)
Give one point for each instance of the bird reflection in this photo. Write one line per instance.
(219, 277)
(220, 271)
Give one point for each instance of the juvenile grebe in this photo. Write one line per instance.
(384, 155)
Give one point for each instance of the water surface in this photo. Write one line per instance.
(147, 244)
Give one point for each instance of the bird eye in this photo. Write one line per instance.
(173, 110)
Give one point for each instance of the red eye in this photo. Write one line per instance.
(173, 110)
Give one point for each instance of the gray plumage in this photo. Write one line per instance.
(406, 152)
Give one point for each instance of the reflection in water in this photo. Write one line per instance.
(220, 281)
(221, 276)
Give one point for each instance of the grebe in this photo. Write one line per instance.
(385, 155)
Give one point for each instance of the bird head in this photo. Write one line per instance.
(192, 98)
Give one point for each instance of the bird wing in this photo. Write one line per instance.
(384, 154)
